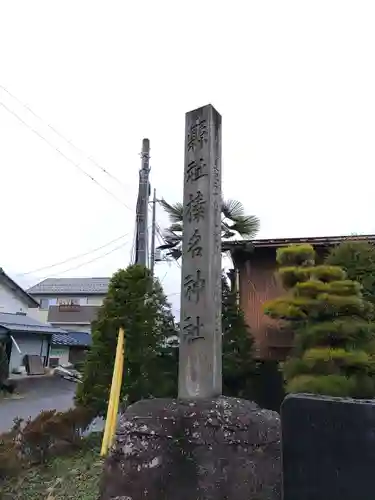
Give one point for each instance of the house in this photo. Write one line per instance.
(13, 298)
(69, 303)
(256, 282)
(69, 347)
(21, 334)
(25, 336)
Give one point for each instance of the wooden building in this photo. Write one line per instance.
(257, 281)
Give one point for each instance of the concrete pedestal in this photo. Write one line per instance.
(206, 449)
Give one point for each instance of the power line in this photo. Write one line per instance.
(161, 239)
(72, 258)
(163, 278)
(77, 165)
(88, 157)
(88, 262)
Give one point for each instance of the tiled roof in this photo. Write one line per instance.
(279, 242)
(71, 286)
(23, 323)
(81, 339)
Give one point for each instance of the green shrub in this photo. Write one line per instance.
(36, 438)
(340, 332)
(52, 432)
(10, 461)
(327, 274)
(297, 255)
(334, 346)
(332, 385)
(357, 258)
(290, 276)
(36, 441)
(69, 426)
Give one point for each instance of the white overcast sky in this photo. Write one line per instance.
(293, 80)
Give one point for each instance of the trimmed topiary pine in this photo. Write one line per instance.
(334, 350)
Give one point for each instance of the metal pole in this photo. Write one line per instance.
(153, 233)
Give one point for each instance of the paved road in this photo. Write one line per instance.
(37, 394)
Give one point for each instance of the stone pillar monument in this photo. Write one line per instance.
(201, 446)
(200, 373)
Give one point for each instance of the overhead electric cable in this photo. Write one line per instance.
(87, 262)
(73, 258)
(77, 165)
(88, 157)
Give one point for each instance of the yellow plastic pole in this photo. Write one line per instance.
(116, 403)
(104, 448)
(110, 414)
(108, 425)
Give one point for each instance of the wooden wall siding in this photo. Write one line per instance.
(259, 283)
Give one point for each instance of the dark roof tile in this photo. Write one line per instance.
(24, 323)
(71, 286)
(72, 339)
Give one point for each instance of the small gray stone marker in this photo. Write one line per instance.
(200, 363)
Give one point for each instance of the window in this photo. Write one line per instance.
(45, 303)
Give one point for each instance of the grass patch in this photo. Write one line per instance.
(72, 477)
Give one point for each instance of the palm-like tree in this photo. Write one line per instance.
(235, 224)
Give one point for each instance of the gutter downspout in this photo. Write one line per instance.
(237, 285)
(15, 344)
(48, 350)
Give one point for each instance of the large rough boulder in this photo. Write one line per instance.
(223, 448)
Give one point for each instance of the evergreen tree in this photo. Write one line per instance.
(334, 340)
(238, 356)
(137, 303)
(357, 258)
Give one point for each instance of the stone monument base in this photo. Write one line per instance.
(223, 448)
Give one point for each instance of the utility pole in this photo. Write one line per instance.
(153, 234)
(142, 206)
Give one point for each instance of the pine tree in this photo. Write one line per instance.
(357, 258)
(137, 303)
(334, 339)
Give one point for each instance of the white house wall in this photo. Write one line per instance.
(10, 302)
(30, 344)
(60, 352)
(95, 300)
(38, 314)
